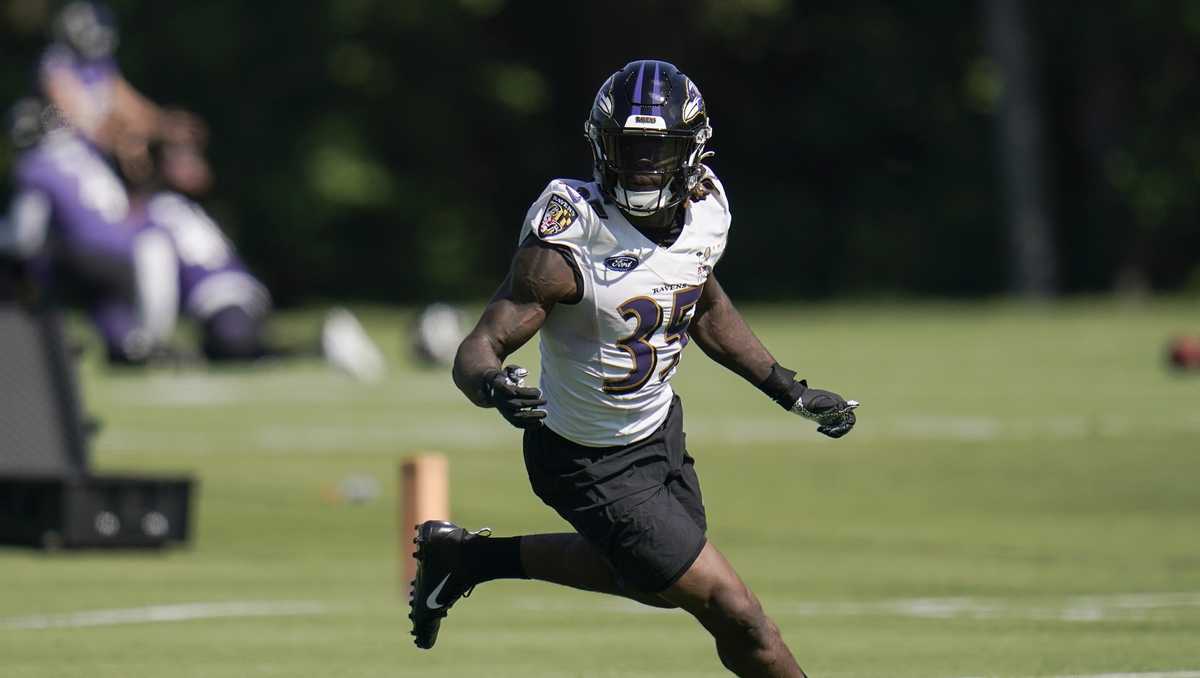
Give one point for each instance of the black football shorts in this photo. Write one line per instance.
(638, 504)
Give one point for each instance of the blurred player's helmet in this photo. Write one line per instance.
(437, 334)
(89, 28)
(647, 130)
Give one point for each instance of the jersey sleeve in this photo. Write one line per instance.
(560, 215)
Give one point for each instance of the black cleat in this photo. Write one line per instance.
(441, 579)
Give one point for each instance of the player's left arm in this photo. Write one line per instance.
(722, 333)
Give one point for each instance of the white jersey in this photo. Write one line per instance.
(607, 360)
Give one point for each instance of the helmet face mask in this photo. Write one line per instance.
(647, 131)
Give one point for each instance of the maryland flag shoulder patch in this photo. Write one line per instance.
(558, 217)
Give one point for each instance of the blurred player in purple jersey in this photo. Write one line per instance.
(140, 257)
(69, 218)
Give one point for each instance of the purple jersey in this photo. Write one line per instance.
(68, 195)
(98, 78)
(211, 275)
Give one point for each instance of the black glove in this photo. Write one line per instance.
(834, 414)
(506, 391)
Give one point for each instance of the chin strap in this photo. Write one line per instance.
(631, 198)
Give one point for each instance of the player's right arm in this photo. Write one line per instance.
(540, 277)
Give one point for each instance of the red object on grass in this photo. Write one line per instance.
(1184, 352)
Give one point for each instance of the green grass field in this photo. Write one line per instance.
(1021, 498)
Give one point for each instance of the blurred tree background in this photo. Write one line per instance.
(388, 150)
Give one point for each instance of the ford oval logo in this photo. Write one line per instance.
(621, 263)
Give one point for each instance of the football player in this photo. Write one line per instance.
(617, 274)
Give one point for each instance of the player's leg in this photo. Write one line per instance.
(568, 559)
(748, 642)
(452, 561)
(106, 283)
(233, 334)
(130, 286)
(664, 550)
(656, 545)
(116, 320)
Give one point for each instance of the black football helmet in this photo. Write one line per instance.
(647, 131)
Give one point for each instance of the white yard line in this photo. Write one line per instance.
(166, 613)
(1160, 674)
(1090, 608)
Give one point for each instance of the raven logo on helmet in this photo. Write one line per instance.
(604, 100)
(695, 103)
(558, 217)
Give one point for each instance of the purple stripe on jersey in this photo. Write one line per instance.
(637, 90)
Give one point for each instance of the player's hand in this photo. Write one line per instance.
(177, 126)
(834, 414)
(519, 404)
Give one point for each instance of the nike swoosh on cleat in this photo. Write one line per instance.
(432, 602)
